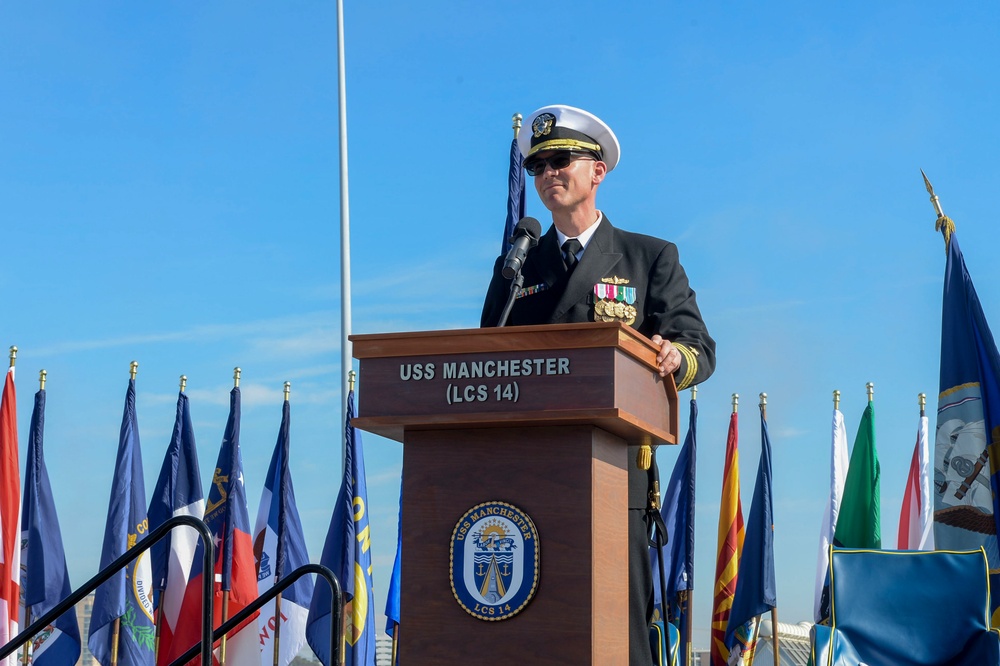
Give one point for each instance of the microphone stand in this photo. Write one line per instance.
(515, 286)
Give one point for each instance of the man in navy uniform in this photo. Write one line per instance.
(584, 269)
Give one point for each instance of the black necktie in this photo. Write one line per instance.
(570, 248)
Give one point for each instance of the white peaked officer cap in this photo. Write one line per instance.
(561, 127)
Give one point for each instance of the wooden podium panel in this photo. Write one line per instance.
(571, 481)
(538, 417)
(598, 373)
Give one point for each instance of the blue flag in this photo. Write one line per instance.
(128, 596)
(515, 194)
(755, 589)
(279, 547)
(678, 517)
(967, 496)
(44, 578)
(392, 599)
(177, 493)
(347, 553)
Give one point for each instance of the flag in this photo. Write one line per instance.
(966, 459)
(392, 598)
(229, 522)
(177, 493)
(10, 497)
(730, 544)
(347, 553)
(45, 579)
(755, 589)
(859, 523)
(279, 548)
(838, 473)
(916, 517)
(678, 517)
(515, 194)
(128, 596)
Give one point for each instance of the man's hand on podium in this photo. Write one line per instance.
(668, 358)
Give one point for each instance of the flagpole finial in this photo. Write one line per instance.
(944, 224)
(288, 390)
(870, 388)
(694, 392)
(922, 400)
(352, 377)
(836, 399)
(516, 123)
(763, 405)
(41, 380)
(736, 402)
(184, 382)
(133, 367)
(236, 376)
(13, 355)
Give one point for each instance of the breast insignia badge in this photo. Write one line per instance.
(494, 561)
(613, 301)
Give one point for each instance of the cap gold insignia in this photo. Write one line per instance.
(543, 124)
(613, 301)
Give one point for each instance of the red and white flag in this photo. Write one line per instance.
(10, 517)
(916, 518)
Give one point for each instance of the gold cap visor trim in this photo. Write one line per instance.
(564, 144)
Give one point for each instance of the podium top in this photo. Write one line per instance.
(601, 373)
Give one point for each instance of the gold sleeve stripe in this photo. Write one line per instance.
(563, 144)
(692, 366)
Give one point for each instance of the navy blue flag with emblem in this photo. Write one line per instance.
(347, 553)
(515, 194)
(967, 448)
(44, 578)
(678, 517)
(128, 596)
(755, 588)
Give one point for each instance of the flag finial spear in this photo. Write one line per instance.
(763, 405)
(288, 390)
(351, 378)
(41, 380)
(133, 367)
(13, 355)
(944, 224)
(184, 382)
(836, 399)
(236, 377)
(736, 402)
(870, 387)
(922, 399)
(516, 123)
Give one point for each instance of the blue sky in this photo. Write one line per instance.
(169, 193)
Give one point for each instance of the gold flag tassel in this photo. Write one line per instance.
(944, 224)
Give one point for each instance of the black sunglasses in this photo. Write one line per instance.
(536, 165)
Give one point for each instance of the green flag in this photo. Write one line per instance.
(859, 524)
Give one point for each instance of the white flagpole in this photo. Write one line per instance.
(345, 224)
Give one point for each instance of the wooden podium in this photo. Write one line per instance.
(538, 417)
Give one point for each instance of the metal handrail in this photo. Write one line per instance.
(208, 565)
(336, 611)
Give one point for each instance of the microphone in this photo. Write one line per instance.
(526, 235)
